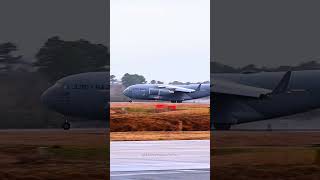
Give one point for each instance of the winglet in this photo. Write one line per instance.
(198, 88)
(283, 84)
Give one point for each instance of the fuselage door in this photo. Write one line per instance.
(153, 91)
(144, 92)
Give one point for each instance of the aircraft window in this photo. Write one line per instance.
(58, 84)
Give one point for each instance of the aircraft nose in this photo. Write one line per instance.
(46, 96)
(126, 92)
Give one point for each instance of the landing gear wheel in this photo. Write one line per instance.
(130, 101)
(66, 125)
(179, 101)
(173, 101)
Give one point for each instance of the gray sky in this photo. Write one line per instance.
(30, 23)
(161, 39)
(265, 33)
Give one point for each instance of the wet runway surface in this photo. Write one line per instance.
(160, 175)
(176, 159)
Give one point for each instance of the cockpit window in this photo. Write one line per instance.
(59, 84)
(66, 86)
(138, 89)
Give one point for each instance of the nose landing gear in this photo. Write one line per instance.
(66, 125)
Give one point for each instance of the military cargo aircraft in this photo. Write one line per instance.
(235, 98)
(173, 93)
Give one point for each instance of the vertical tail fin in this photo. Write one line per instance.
(283, 84)
(198, 88)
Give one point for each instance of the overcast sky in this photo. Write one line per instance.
(164, 40)
(30, 23)
(265, 33)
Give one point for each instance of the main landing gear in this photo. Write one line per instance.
(66, 125)
(176, 101)
(130, 101)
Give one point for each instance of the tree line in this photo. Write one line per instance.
(131, 79)
(217, 67)
(59, 58)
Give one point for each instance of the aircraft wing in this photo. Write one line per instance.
(232, 88)
(176, 88)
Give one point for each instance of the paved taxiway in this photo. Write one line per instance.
(183, 159)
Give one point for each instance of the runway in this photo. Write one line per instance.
(176, 159)
(160, 175)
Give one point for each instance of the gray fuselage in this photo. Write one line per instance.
(154, 92)
(86, 95)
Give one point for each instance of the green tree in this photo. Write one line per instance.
(113, 79)
(59, 58)
(176, 83)
(249, 68)
(131, 79)
(6, 57)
